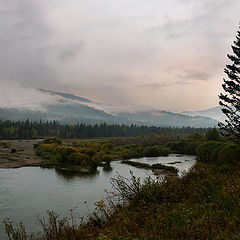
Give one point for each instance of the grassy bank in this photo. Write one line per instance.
(151, 166)
(202, 205)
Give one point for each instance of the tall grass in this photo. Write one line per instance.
(157, 166)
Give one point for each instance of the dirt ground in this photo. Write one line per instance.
(18, 153)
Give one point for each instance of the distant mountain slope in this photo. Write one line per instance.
(69, 108)
(67, 96)
(215, 113)
(63, 111)
(164, 118)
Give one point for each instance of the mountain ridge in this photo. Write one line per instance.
(214, 112)
(73, 109)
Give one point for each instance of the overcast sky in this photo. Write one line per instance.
(167, 54)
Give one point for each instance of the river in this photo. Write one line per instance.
(28, 192)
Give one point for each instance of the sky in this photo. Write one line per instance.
(166, 54)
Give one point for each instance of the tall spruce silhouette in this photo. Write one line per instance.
(230, 100)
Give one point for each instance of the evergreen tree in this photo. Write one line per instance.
(230, 100)
(212, 134)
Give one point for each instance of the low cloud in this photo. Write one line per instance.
(71, 52)
(193, 74)
(13, 95)
(155, 86)
(102, 49)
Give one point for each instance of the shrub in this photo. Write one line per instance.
(219, 152)
(52, 140)
(13, 150)
(165, 168)
(90, 152)
(205, 150)
(64, 151)
(190, 148)
(75, 158)
(107, 158)
(5, 144)
(184, 147)
(149, 166)
(229, 153)
(45, 151)
(155, 151)
(177, 147)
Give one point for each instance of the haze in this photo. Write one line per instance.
(166, 54)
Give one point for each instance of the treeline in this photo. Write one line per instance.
(32, 130)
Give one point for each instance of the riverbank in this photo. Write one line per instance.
(60, 191)
(202, 204)
(157, 167)
(18, 153)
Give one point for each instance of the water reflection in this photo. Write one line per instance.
(107, 168)
(27, 192)
(73, 175)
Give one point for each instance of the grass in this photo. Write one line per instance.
(149, 166)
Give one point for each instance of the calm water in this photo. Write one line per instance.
(28, 192)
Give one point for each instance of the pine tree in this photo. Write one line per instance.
(230, 100)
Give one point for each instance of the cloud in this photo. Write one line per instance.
(23, 32)
(71, 51)
(184, 77)
(155, 86)
(102, 49)
(194, 74)
(13, 95)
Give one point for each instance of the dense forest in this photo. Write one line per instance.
(32, 130)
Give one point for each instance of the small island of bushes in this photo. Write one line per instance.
(87, 155)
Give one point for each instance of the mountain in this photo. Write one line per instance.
(164, 118)
(214, 113)
(66, 96)
(63, 111)
(69, 108)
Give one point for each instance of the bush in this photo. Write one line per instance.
(149, 166)
(155, 151)
(64, 152)
(52, 140)
(229, 153)
(184, 147)
(165, 168)
(13, 150)
(75, 158)
(90, 152)
(177, 147)
(219, 152)
(107, 158)
(5, 144)
(45, 151)
(191, 148)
